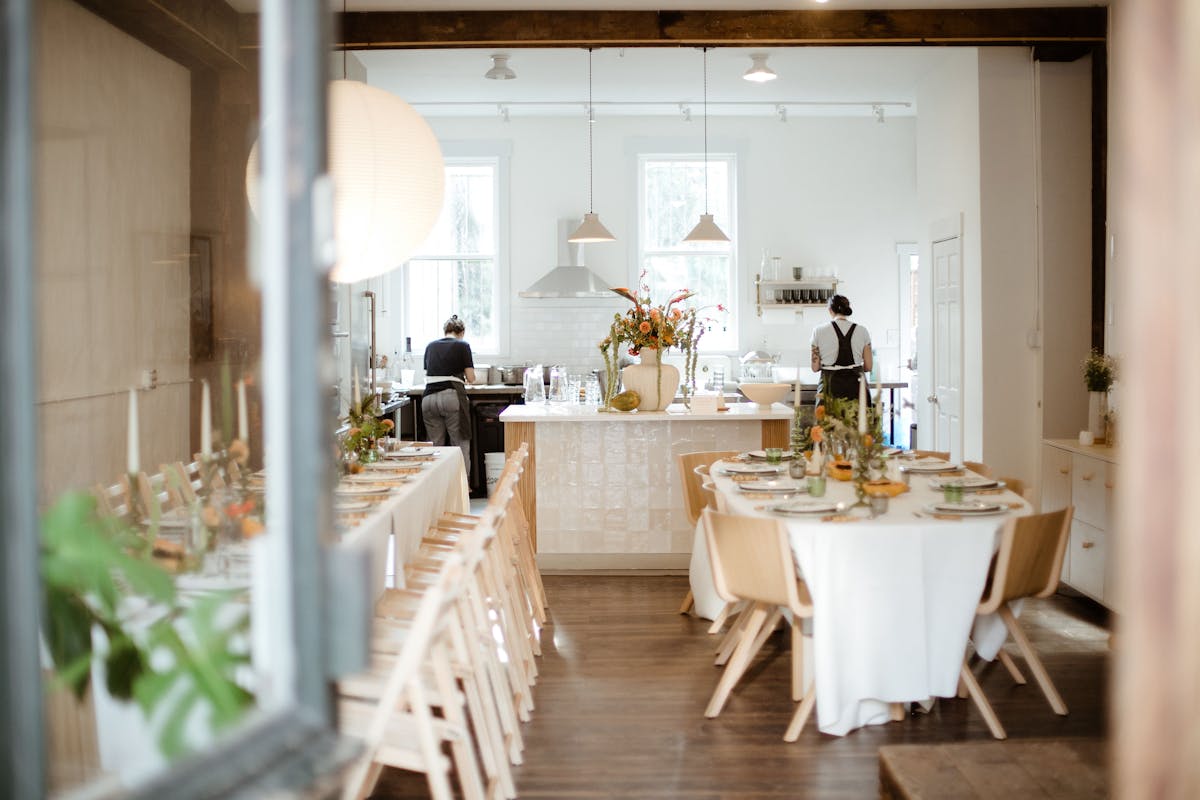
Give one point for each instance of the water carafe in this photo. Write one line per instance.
(535, 390)
(558, 384)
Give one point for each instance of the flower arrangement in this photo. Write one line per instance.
(647, 326)
(838, 426)
(1099, 371)
(366, 429)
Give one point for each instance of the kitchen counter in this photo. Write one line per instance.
(476, 389)
(602, 490)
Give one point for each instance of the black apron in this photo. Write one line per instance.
(842, 383)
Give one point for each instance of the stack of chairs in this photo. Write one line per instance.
(451, 695)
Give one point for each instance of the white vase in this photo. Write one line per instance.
(654, 383)
(1097, 409)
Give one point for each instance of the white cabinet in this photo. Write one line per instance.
(1084, 477)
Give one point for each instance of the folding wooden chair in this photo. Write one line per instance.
(693, 467)
(979, 468)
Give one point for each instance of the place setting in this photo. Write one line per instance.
(783, 487)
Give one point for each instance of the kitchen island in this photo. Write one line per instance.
(602, 489)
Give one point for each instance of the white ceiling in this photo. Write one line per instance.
(819, 81)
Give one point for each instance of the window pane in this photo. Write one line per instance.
(467, 222)
(708, 277)
(437, 288)
(675, 199)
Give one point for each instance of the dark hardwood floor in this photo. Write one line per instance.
(624, 682)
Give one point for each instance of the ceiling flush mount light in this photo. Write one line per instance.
(500, 70)
(706, 230)
(592, 230)
(388, 177)
(759, 72)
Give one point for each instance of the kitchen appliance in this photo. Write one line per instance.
(512, 375)
(570, 278)
(757, 366)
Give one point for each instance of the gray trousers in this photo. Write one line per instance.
(441, 414)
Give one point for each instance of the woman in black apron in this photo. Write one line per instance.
(841, 352)
(445, 408)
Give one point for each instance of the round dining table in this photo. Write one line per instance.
(894, 595)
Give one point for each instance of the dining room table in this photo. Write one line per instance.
(894, 593)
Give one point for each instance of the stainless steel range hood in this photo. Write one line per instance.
(570, 278)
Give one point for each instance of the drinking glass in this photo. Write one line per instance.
(952, 491)
(774, 455)
(592, 391)
(879, 505)
(816, 485)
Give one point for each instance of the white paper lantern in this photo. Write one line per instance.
(388, 176)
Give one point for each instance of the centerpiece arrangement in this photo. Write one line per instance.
(649, 330)
(361, 441)
(1099, 373)
(850, 433)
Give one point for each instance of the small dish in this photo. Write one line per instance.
(973, 507)
(809, 506)
(775, 485)
(731, 468)
(761, 455)
(969, 483)
(354, 491)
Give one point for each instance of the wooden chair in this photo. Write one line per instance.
(157, 493)
(1014, 485)
(944, 455)
(114, 501)
(979, 468)
(395, 720)
(1028, 564)
(693, 468)
(752, 561)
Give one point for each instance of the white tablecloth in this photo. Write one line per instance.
(894, 598)
(407, 514)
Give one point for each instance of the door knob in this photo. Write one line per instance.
(932, 398)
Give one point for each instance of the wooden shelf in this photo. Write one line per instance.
(823, 288)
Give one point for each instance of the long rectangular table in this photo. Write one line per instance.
(894, 598)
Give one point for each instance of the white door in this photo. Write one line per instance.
(947, 377)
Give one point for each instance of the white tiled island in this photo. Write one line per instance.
(602, 489)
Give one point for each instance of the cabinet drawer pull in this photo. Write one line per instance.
(1065, 470)
(1087, 476)
(1088, 545)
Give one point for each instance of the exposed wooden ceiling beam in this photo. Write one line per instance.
(199, 34)
(429, 29)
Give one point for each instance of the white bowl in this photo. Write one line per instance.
(765, 393)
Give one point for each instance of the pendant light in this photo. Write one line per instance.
(592, 230)
(759, 72)
(706, 230)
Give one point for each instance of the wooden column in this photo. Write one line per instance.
(516, 434)
(775, 433)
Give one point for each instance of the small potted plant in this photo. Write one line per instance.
(1099, 372)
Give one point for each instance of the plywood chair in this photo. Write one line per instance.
(1014, 485)
(114, 501)
(752, 561)
(944, 455)
(1028, 564)
(693, 468)
(979, 468)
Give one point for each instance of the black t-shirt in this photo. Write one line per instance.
(449, 356)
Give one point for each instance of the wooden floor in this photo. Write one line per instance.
(624, 682)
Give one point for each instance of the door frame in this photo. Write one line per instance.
(942, 230)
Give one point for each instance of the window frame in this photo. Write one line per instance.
(732, 156)
(498, 153)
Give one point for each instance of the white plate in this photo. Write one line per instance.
(387, 466)
(969, 483)
(976, 507)
(373, 478)
(778, 485)
(762, 454)
(352, 491)
(349, 506)
(931, 465)
(412, 452)
(751, 469)
(810, 506)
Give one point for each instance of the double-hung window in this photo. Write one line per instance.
(671, 197)
(458, 268)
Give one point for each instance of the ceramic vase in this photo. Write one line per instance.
(655, 383)
(1097, 409)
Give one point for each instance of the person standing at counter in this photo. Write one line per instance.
(841, 351)
(449, 366)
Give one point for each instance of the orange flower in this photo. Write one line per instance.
(655, 314)
(817, 434)
(676, 314)
(644, 327)
(820, 412)
(388, 424)
(354, 432)
(868, 439)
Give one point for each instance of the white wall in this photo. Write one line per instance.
(1009, 368)
(113, 219)
(829, 192)
(1065, 145)
(948, 186)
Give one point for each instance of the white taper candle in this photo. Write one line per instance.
(243, 418)
(355, 392)
(205, 421)
(862, 403)
(131, 449)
